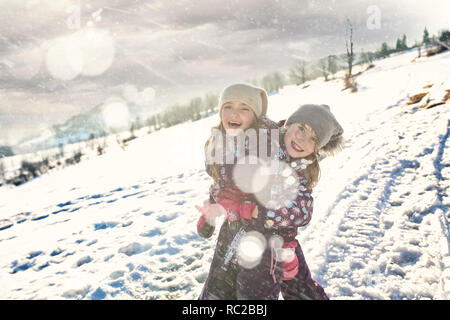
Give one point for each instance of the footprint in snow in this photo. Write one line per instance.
(151, 233)
(61, 210)
(16, 267)
(184, 239)
(171, 267)
(98, 294)
(5, 224)
(34, 254)
(56, 252)
(135, 276)
(83, 260)
(116, 275)
(168, 250)
(134, 248)
(167, 218)
(132, 194)
(64, 204)
(110, 224)
(22, 217)
(95, 203)
(39, 217)
(92, 242)
(97, 196)
(105, 225)
(117, 284)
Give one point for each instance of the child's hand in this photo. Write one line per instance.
(211, 211)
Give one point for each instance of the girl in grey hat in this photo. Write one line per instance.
(310, 132)
(286, 203)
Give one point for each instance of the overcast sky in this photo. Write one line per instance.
(174, 49)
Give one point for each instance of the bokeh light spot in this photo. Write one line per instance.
(250, 250)
(115, 114)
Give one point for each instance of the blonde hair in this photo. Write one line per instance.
(312, 171)
(256, 124)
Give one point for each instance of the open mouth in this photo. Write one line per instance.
(234, 124)
(296, 147)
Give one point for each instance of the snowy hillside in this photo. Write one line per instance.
(123, 225)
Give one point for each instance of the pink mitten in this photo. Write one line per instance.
(231, 209)
(290, 268)
(211, 211)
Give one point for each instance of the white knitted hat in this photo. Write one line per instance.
(254, 97)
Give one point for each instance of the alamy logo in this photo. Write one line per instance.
(374, 19)
(73, 22)
(249, 147)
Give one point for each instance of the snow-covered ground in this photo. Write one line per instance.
(123, 225)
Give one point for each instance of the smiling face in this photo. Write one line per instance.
(300, 140)
(236, 116)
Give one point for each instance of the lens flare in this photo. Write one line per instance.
(251, 177)
(276, 241)
(26, 63)
(115, 114)
(130, 93)
(287, 254)
(147, 95)
(250, 250)
(89, 52)
(276, 244)
(96, 50)
(61, 61)
(282, 188)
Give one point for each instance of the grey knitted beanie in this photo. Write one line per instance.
(254, 97)
(328, 130)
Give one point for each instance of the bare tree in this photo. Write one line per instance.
(323, 68)
(2, 171)
(365, 58)
(210, 102)
(349, 79)
(195, 106)
(332, 65)
(273, 82)
(350, 54)
(298, 72)
(278, 80)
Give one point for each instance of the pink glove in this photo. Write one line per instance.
(290, 268)
(231, 209)
(211, 211)
(236, 203)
